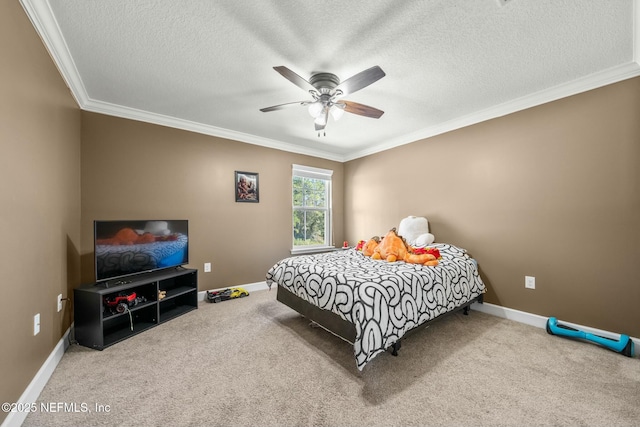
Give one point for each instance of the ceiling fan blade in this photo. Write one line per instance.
(281, 106)
(294, 78)
(360, 80)
(361, 109)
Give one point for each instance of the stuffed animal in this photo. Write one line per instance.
(370, 246)
(394, 248)
(162, 295)
(428, 256)
(415, 231)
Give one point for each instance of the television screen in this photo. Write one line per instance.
(128, 247)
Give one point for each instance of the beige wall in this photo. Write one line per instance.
(135, 170)
(39, 201)
(551, 192)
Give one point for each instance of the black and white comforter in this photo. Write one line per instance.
(383, 300)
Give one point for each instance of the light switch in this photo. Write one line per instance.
(529, 282)
(36, 324)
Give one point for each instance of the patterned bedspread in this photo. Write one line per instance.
(383, 300)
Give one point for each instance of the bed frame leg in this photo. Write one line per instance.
(466, 311)
(395, 347)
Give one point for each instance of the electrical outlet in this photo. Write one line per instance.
(59, 303)
(529, 282)
(207, 267)
(36, 324)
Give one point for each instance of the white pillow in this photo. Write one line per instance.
(415, 231)
(424, 240)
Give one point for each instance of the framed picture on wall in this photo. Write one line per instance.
(247, 187)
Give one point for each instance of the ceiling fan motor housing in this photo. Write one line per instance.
(324, 82)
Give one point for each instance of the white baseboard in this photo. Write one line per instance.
(249, 287)
(511, 314)
(539, 321)
(33, 390)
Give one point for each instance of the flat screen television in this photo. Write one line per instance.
(124, 248)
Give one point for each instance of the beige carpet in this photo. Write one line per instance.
(254, 362)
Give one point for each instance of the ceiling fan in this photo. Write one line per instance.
(327, 92)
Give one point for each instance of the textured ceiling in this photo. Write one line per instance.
(207, 66)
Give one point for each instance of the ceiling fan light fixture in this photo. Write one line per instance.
(315, 109)
(336, 112)
(321, 120)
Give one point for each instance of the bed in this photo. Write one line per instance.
(371, 303)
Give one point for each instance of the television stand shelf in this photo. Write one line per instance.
(99, 325)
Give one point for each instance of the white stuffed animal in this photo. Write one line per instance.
(415, 231)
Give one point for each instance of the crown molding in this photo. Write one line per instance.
(42, 18)
(590, 82)
(172, 122)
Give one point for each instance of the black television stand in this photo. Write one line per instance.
(109, 284)
(160, 296)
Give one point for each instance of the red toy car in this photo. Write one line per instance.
(121, 302)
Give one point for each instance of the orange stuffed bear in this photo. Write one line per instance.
(370, 246)
(393, 248)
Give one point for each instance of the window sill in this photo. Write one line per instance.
(313, 250)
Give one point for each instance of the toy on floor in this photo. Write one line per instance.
(623, 345)
(225, 294)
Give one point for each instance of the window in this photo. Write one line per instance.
(311, 208)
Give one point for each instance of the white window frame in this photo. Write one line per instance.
(315, 173)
